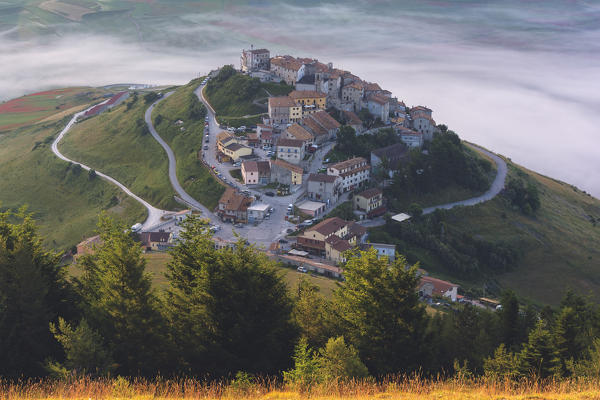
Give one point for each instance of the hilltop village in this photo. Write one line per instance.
(281, 183)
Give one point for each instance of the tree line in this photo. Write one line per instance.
(228, 311)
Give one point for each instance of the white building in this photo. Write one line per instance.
(353, 172)
(257, 212)
(290, 150)
(255, 59)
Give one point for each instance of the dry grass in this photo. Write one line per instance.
(408, 389)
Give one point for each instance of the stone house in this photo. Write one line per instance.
(290, 150)
(370, 202)
(255, 59)
(233, 207)
(389, 158)
(256, 172)
(325, 188)
(285, 173)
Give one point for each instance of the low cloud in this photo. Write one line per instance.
(519, 78)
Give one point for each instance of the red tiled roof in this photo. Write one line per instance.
(439, 286)
(328, 226)
(322, 178)
(370, 193)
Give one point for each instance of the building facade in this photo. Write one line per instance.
(353, 172)
(285, 173)
(255, 59)
(290, 150)
(325, 188)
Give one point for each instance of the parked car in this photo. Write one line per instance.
(205, 147)
(270, 194)
(231, 129)
(282, 241)
(290, 230)
(302, 269)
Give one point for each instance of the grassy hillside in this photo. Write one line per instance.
(191, 172)
(62, 197)
(239, 99)
(157, 266)
(119, 144)
(556, 247)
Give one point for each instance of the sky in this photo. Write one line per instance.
(521, 78)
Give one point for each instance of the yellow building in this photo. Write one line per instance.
(295, 113)
(236, 150)
(369, 201)
(309, 98)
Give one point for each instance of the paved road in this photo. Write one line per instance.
(154, 214)
(492, 192)
(172, 161)
(267, 231)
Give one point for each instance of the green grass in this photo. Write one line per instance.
(241, 100)
(118, 144)
(559, 246)
(65, 202)
(193, 175)
(157, 266)
(236, 174)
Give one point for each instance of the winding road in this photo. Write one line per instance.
(267, 231)
(191, 202)
(492, 192)
(154, 214)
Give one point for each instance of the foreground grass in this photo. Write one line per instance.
(407, 389)
(118, 144)
(191, 172)
(63, 199)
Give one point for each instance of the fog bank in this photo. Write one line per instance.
(519, 78)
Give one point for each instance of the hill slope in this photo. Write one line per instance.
(498, 246)
(118, 144)
(62, 197)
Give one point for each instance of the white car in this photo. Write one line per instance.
(302, 269)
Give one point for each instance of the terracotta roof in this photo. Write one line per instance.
(370, 193)
(420, 108)
(440, 287)
(234, 201)
(421, 114)
(94, 240)
(154, 237)
(299, 132)
(287, 62)
(282, 101)
(250, 166)
(352, 118)
(325, 120)
(322, 178)
(348, 163)
(371, 87)
(290, 142)
(355, 229)
(223, 134)
(354, 85)
(287, 165)
(355, 171)
(338, 243)
(263, 167)
(379, 99)
(328, 226)
(306, 94)
(314, 126)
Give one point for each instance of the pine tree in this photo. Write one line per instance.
(235, 304)
(313, 314)
(539, 358)
(33, 292)
(502, 366)
(381, 313)
(338, 361)
(84, 350)
(120, 303)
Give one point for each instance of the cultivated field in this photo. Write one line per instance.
(43, 106)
